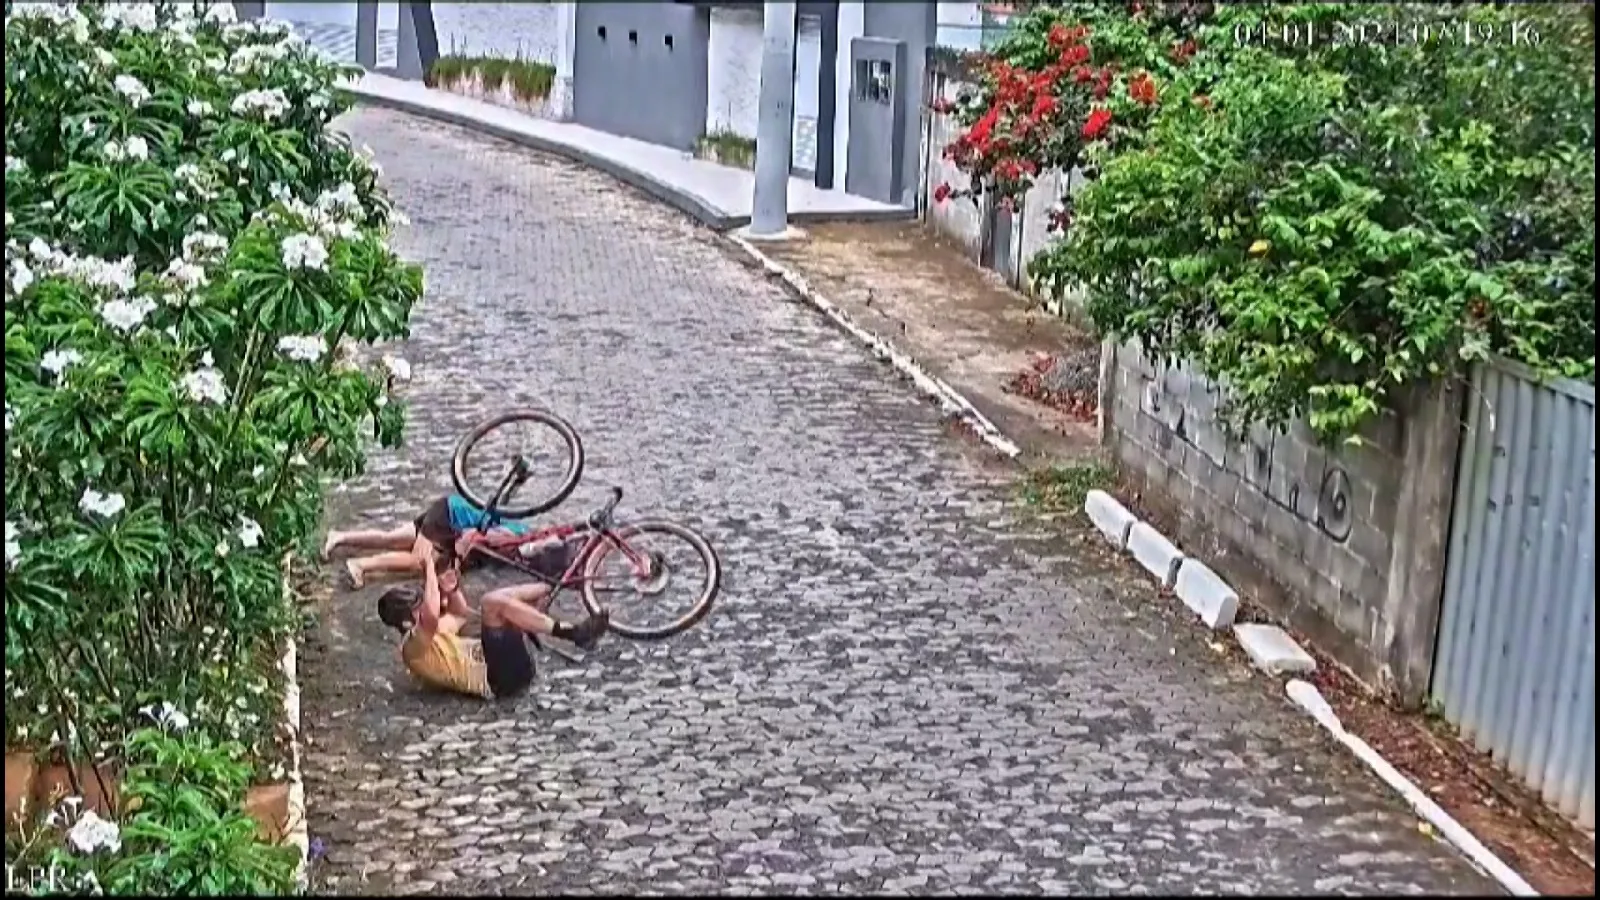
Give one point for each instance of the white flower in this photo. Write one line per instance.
(207, 360)
(91, 834)
(104, 58)
(103, 505)
(202, 243)
(15, 164)
(20, 276)
(249, 533)
(398, 368)
(342, 199)
(199, 108)
(304, 251)
(131, 88)
(221, 14)
(168, 716)
(303, 347)
(11, 417)
(228, 155)
(222, 548)
(56, 361)
(186, 273)
(271, 104)
(132, 16)
(13, 545)
(205, 385)
(126, 315)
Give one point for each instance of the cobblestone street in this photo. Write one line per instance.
(904, 686)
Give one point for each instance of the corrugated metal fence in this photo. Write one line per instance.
(1514, 668)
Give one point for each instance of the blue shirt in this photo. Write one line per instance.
(465, 517)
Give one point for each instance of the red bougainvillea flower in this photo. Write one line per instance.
(1097, 123)
(1061, 36)
(1182, 52)
(1143, 88)
(942, 193)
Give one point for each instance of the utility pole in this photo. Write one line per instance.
(769, 206)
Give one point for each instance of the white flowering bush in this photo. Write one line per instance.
(183, 832)
(191, 257)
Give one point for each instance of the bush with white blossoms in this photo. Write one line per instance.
(191, 254)
(181, 832)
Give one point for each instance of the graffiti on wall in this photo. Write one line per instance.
(1183, 403)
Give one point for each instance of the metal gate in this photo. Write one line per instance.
(1514, 665)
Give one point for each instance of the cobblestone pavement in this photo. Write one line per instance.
(904, 686)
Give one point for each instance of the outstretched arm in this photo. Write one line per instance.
(428, 610)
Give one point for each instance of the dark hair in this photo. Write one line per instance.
(398, 605)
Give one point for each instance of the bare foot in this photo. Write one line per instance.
(329, 545)
(357, 579)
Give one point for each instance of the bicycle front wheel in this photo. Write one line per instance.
(548, 443)
(639, 569)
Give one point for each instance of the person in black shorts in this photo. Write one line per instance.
(497, 664)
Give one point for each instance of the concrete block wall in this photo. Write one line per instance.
(1321, 537)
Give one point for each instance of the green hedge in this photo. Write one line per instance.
(1314, 226)
(192, 256)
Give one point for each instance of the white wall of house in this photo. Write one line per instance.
(960, 25)
(733, 85)
(311, 13)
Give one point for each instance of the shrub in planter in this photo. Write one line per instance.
(192, 258)
(182, 834)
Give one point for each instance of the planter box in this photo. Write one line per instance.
(32, 787)
(712, 153)
(472, 86)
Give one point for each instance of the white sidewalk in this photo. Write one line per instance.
(715, 194)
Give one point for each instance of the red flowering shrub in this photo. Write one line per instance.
(1313, 226)
(1054, 87)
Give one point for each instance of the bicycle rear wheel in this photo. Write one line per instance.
(645, 560)
(495, 441)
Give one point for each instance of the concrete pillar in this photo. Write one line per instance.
(367, 34)
(408, 59)
(560, 104)
(852, 24)
(827, 94)
(769, 208)
(246, 10)
(417, 42)
(1431, 443)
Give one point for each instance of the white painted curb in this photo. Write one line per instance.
(1307, 697)
(949, 398)
(299, 833)
(298, 828)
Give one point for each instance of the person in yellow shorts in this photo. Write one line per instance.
(496, 665)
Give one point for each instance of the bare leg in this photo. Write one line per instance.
(399, 538)
(517, 607)
(392, 563)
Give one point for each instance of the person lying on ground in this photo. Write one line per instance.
(497, 665)
(446, 521)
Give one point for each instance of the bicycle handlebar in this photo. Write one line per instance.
(602, 516)
(515, 478)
